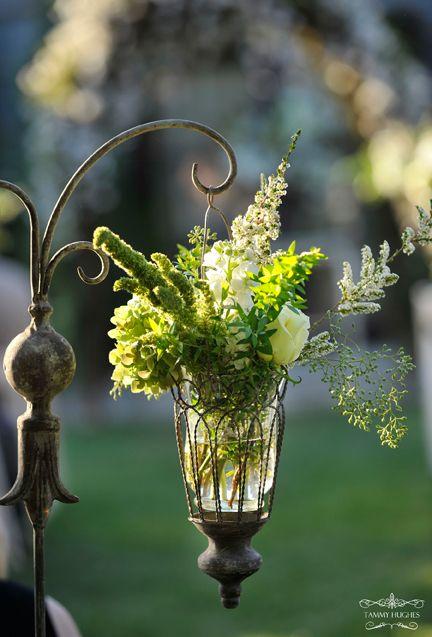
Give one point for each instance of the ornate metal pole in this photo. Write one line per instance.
(39, 363)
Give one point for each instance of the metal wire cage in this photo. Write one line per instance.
(229, 439)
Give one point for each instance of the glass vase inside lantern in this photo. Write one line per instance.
(229, 437)
(230, 459)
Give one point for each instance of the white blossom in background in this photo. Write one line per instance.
(375, 275)
(423, 236)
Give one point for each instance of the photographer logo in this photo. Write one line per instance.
(392, 612)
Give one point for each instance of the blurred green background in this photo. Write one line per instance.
(352, 520)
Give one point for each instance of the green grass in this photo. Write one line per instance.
(351, 520)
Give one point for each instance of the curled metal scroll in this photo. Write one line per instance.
(41, 277)
(124, 137)
(34, 231)
(42, 266)
(40, 363)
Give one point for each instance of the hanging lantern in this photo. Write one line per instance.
(229, 459)
(195, 327)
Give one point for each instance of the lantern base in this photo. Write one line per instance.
(229, 557)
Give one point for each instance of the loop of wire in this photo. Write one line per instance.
(211, 207)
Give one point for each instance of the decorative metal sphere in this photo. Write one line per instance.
(39, 363)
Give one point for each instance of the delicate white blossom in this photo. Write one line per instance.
(227, 270)
(375, 275)
(318, 346)
(261, 223)
(407, 238)
(423, 235)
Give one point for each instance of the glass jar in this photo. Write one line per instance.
(230, 459)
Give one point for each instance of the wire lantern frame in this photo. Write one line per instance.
(229, 438)
(229, 446)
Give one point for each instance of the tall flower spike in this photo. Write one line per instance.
(128, 259)
(261, 224)
(174, 277)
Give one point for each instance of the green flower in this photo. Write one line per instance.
(147, 354)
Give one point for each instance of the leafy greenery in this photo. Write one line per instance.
(283, 280)
(189, 259)
(252, 326)
(367, 387)
(229, 314)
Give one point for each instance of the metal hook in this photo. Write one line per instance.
(116, 141)
(211, 206)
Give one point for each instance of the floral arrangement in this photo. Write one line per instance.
(235, 310)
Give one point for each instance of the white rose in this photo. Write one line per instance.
(292, 332)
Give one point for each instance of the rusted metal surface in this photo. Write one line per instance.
(229, 557)
(39, 363)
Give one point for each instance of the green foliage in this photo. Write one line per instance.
(368, 387)
(148, 351)
(252, 326)
(189, 259)
(282, 280)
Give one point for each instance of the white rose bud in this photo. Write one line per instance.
(292, 332)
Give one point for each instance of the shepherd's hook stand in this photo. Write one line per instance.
(39, 363)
